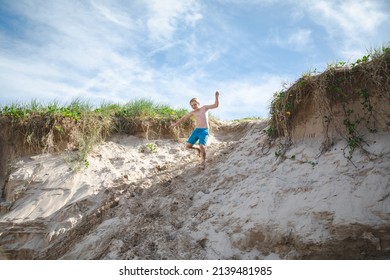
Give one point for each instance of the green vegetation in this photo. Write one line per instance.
(248, 119)
(25, 111)
(78, 126)
(137, 108)
(360, 89)
(148, 109)
(151, 148)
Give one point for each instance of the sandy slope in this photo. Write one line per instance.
(133, 204)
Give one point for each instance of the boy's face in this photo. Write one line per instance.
(194, 105)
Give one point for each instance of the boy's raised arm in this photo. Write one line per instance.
(216, 103)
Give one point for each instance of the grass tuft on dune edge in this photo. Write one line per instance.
(349, 99)
(78, 126)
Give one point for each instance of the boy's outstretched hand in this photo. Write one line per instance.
(217, 93)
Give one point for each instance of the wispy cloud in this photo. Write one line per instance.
(251, 95)
(165, 17)
(249, 2)
(351, 23)
(295, 40)
(171, 51)
(352, 18)
(94, 45)
(113, 15)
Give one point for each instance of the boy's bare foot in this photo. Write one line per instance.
(202, 165)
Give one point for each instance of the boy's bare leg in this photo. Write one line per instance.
(202, 156)
(190, 146)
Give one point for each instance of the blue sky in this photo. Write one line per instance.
(172, 50)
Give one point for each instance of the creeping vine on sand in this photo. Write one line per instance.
(361, 89)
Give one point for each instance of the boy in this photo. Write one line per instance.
(201, 127)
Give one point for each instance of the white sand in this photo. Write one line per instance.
(245, 205)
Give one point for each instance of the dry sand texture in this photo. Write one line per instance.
(132, 203)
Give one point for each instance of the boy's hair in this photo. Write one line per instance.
(195, 99)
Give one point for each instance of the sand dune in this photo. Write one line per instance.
(313, 182)
(132, 203)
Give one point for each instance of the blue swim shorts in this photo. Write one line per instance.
(201, 134)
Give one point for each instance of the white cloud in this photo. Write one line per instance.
(94, 52)
(31, 79)
(249, 98)
(166, 16)
(192, 19)
(249, 2)
(300, 39)
(297, 40)
(169, 51)
(351, 17)
(113, 15)
(351, 23)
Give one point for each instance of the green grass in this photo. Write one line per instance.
(54, 109)
(43, 127)
(145, 108)
(340, 84)
(284, 101)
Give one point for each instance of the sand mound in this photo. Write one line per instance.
(148, 199)
(341, 103)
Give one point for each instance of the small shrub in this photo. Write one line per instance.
(151, 147)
